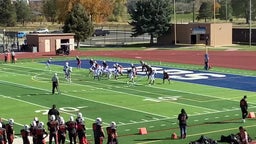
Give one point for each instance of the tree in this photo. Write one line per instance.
(98, 10)
(205, 11)
(119, 10)
(150, 16)
(225, 12)
(50, 10)
(78, 22)
(242, 10)
(23, 11)
(7, 13)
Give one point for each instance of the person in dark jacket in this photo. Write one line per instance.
(183, 123)
(244, 107)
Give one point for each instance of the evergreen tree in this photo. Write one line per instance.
(7, 13)
(78, 22)
(150, 16)
(50, 10)
(205, 11)
(225, 10)
(241, 9)
(23, 11)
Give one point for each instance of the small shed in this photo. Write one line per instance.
(50, 42)
(212, 34)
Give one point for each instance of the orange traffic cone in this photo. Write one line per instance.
(143, 131)
(251, 115)
(174, 136)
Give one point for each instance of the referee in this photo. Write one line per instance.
(55, 83)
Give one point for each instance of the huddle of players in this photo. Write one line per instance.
(98, 70)
(57, 130)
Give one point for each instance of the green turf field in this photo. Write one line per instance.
(26, 93)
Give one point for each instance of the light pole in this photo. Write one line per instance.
(175, 21)
(250, 24)
(3, 40)
(194, 11)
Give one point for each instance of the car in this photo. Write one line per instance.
(64, 49)
(100, 32)
(42, 30)
(21, 34)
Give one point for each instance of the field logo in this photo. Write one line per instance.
(63, 109)
(181, 74)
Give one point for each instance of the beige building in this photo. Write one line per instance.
(218, 34)
(50, 42)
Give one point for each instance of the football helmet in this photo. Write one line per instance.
(98, 121)
(52, 118)
(11, 121)
(113, 125)
(71, 118)
(79, 115)
(41, 125)
(26, 127)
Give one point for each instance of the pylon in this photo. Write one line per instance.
(251, 115)
(143, 131)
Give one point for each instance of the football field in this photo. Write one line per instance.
(211, 100)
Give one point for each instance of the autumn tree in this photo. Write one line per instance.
(98, 10)
(150, 16)
(77, 21)
(119, 11)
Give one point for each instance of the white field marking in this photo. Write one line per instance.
(216, 117)
(158, 94)
(121, 123)
(157, 87)
(196, 120)
(174, 123)
(199, 134)
(132, 121)
(144, 120)
(177, 91)
(93, 100)
(3, 96)
(236, 114)
(206, 119)
(88, 100)
(226, 116)
(162, 125)
(151, 126)
(136, 96)
(127, 130)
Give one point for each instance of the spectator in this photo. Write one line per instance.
(13, 56)
(243, 136)
(53, 111)
(183, 123)
(244, 107)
